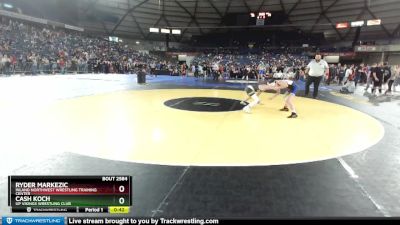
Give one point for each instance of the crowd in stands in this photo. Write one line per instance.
(27, 48)
(230, 64)
(39, 49)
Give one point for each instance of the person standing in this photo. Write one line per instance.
(332, 74)
(261, 71)
(396, 77)
(341, 72)
(246, 73)
(387, 73)
(369, 77)
(13, 60)
(349, 72)
(394, 73)
(6, 65)
(152, 68)
(205, 70)
(359, 74)
(195, 71)
(377, 74)
(215, 69)
(316, 69)
(34, 60)
(200, 70)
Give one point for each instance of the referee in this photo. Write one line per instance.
(316, 69)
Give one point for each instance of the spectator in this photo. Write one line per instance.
(333, 73)
(394, 73)
(377, 75)
(348, 74)
(349, 86)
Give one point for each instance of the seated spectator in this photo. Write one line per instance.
(350, 84)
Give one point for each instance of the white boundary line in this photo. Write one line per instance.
(355, 177)
(169, 193)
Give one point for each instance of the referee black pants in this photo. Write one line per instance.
(316, 81)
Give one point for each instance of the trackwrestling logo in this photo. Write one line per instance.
(33, 220)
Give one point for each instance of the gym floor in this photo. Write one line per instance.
(193, 153)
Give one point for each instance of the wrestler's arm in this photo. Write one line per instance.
(278, 92)
(266, 87)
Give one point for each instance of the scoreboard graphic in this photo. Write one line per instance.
(74, 194)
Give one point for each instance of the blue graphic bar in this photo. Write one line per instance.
(33, 220)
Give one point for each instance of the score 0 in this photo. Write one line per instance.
(121, 189)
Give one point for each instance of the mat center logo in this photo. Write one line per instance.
(205, 104)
